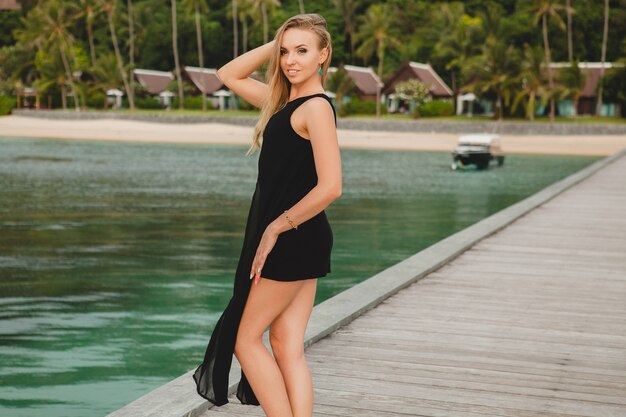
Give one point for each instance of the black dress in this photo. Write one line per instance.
(286, 173)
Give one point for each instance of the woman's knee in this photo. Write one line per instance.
(247, 338)
(286, 349)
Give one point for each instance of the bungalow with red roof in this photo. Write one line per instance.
(423, 73)
(366, 82)
(10, 5)
(589, 95)
(155, 83)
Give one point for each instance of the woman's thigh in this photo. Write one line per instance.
(266, 301)
(288, 328)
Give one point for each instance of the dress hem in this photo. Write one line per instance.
(290, 277)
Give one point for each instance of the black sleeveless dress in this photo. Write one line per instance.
(286, 173)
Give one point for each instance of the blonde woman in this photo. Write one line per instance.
(288, 238)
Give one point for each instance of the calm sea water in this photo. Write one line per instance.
(116, 260)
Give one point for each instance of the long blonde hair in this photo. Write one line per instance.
(277, 82)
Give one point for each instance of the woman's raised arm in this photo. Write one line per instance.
(236, 74)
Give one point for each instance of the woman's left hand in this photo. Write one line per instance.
(268, 240)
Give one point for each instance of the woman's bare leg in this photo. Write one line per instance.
(287, 339)
(265, 302)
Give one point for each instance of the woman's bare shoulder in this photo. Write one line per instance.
(317, 107)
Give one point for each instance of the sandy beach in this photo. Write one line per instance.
(217, 133)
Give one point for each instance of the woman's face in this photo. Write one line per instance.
(300, 57)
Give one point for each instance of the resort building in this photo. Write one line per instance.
(425, 74)
(365, 80)
(592, 72)
(206, 81)
(155, 83)
(10, 5)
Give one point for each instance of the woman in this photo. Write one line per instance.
(288, 239)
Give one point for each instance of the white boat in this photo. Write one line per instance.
(477, 149)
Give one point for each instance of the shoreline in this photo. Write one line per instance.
(228, 134)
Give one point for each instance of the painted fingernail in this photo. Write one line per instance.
(251, 275)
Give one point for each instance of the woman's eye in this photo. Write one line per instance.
(302, 50)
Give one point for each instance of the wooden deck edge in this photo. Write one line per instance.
(178, 398)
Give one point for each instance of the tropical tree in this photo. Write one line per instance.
(246, 12)
(572, 82)
(106, 75)
(234, 5)
(605, 38)
(376, 35)
(235, 14)
(491, 15)
(531, 82)
(197, 7)
(131, 49)
(542, 9)
(51, 72)
(47, 25)
(264, 6)
(413, 90)
(179, 78)
(570, 46)
(459, 44)
(347, 9)
(89, 10)
(109, 7)
(342, 85)
(495, 73)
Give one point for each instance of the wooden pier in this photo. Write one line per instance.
(522, 314)
(528, 322)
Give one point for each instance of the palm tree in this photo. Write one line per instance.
(235, 29)
(457, 46)
(50, 72)
(109, 6)
(341, 84)
(605, 38)
(246, 10)
(542, 10)
(348, 12)
(570, 47)
(131, 49)
(495, 72)
(263, 5)
(573, 81)
(196, 7)
(47, 25)
(532, 82)
(89, 9)
(106, 74)
(376, 34)
(176, 60)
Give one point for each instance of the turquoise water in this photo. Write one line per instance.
(116, 260)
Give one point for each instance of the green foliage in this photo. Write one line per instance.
(615, 86)
(96, 100)
(341, 85)
(434, 108)
(457, 38)
(9, 20)
(189, 102)
(148, 103)
(412, 90)
(358, 106)
(7, 104)
(242, 105)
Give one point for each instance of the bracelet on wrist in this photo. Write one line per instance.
(290, 222)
